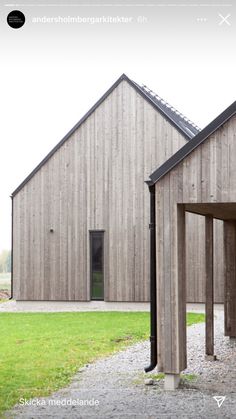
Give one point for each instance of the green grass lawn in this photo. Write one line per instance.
(40, 352)
(5, 281)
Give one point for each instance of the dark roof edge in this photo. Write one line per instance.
(193, 144)
(91, 110)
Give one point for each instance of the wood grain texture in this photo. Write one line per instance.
(94, 181)
(195, 184)
(230, 278)
(209, 252)
(171, 275)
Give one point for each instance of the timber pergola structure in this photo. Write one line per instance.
(200, 178)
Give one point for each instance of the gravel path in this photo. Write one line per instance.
(118, 384)
(61, 306)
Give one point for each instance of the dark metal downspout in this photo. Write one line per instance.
(153, 299)
(11, 297)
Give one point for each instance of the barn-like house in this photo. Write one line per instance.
(81, 218)
(200, 178)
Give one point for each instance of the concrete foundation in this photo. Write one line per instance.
(171, 381)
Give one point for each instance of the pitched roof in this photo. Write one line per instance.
(183, 152)
(178, 120)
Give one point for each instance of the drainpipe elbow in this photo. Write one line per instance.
(153, 361)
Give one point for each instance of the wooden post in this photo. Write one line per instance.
(209, 335)
(171, 295)
(181, 284)
(175, 302)
(230, 278)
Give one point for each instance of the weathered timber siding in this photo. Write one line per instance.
(94, 181)
(195, 259)
(230, 275)
(206, 176)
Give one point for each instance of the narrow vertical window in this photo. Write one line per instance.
(97, 264)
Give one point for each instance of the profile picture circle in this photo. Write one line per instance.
(16, 19)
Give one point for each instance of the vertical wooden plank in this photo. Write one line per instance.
(71, 216)
(209, 336)
(160, 280)
(181, 339)
(41, 227)
(178, 271)
(106, 123)
(218, 259)
(112, 207)
(167, 274)
(126, 142)
(122, 140)
(230, 129)
(139, 184)
(119, 201)
(171, 294)
(132, 196)
(230, 277)
(83, 214)
(205, 172)
(16, 245)
(199, 278)
(195, 258)
(213, 168)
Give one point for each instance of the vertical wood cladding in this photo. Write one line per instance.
(94, 181)
(206, 176)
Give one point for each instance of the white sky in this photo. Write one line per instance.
(53, 73)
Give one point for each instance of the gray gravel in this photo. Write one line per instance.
(62, 306)
(118, 384)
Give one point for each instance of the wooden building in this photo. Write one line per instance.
(200, 178)
(81, 218)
